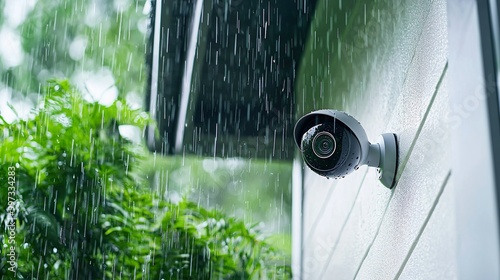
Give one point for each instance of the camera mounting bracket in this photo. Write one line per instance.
(388, 151)
(383, 154)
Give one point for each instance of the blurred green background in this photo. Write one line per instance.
(100, 46)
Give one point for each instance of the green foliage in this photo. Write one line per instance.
(83, 210)
(253, 190)
(113, 36)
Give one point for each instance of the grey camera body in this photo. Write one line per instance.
(334, 144)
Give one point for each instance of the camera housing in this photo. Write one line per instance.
(334, 144)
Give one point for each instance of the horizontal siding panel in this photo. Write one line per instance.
(414, 197)
(434, 255)
(315, 199)
(358, 232)
(324, 234)
(341, 218)
(364, 80)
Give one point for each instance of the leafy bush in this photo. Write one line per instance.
(83, 210)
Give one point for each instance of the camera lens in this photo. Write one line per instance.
(323, 144)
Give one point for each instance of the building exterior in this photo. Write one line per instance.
(425, 70)
(244, 71)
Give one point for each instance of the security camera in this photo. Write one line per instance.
(334, 144)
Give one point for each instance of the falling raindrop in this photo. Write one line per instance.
(99, 191)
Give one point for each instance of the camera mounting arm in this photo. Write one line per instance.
(388, 152)
(373, 158)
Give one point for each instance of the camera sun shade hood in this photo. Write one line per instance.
(382, 154)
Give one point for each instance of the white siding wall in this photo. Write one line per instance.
(355, 228)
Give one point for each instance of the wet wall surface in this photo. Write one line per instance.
(385, 63)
